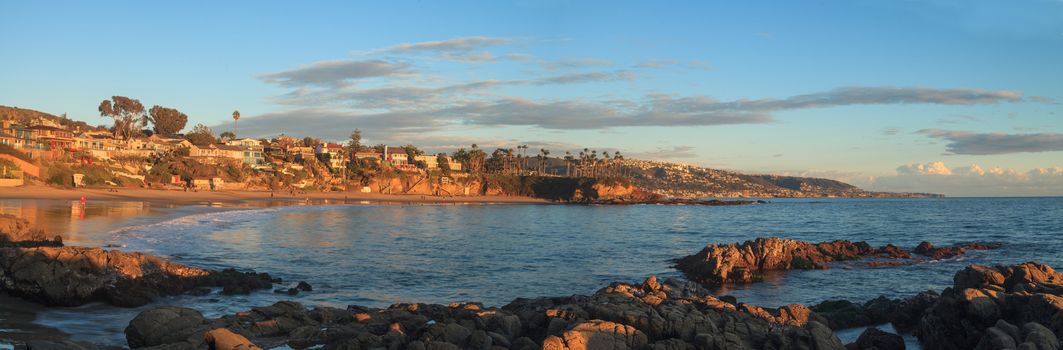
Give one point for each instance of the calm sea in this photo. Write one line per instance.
(376, 255)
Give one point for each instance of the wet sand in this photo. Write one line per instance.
(182, 197)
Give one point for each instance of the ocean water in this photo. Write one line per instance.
(376, 255)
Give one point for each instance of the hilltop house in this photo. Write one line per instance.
(54, 137)
(432, 162)
(214, 153)
(253, 152)
(331, 154)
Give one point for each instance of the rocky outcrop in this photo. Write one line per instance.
(1002, 307)
(876, 339)
(652, 315)
(718, 264)
(17, 232)
(70, 276)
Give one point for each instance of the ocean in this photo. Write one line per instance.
(376, 255)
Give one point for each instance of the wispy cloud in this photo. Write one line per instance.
(468, 49)
(465, 44)
(962, 142)
(336, 73)
(576, 63)
(675, 152)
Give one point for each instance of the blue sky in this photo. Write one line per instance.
(960, 97)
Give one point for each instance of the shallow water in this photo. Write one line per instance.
(376, 255)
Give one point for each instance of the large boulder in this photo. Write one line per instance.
(874, 338)
(165, 325)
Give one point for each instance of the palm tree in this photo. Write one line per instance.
(568, 164)
(236, 118)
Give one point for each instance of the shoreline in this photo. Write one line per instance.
(241, 196)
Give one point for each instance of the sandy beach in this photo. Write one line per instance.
(182, 197)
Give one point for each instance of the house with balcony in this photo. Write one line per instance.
(54, 137)
(19, 136)
(214, 153)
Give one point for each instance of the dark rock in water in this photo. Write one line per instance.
(892, 251)
(985, 306)
(165, 325)
(910, 310)
(671, 314)
(744, 263)
(70, 276)
(843, 314)
(305, 287)
(17, 232)
(874, 338)
(718, 264)
(937, 253)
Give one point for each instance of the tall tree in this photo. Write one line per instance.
(354, 144)
(128, 115)
(236, 118)
(167, 121)
(200, 135)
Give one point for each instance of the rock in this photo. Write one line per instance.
(984, 303)
(874, 338)
(843, 314)
(937, 253)
(1038, 337)
(161, 326)
(746, 262)
(597, 335)
(978, 276)
(17, 232)
(224, 339)
(668, 314)
(892, 251)
(71, 276)
(909, 311)
(305, 287)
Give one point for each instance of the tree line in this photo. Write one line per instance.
(131, 119)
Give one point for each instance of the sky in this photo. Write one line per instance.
(957, 97)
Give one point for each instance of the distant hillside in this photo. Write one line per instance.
(680, 180)
(26, 116)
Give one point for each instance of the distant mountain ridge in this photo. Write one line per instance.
(688, 181)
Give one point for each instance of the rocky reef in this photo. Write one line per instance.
(652, 315)
(40, 269)
(719, 264)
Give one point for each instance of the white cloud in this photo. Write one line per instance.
(972, 180)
